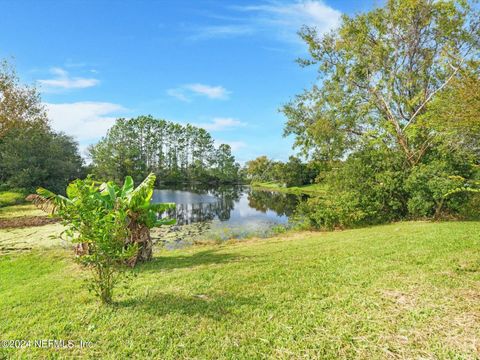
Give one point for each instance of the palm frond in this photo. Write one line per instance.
(47, 201)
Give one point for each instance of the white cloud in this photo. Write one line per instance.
(86, 121)
(63, 81)
(185, 92)
(235, 145)
(179, 94)
(276, 18)
(219, 124)
(213, 92)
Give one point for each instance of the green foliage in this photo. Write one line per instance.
(366, 189)
(8, 198)
(259, 169)
(33, 156)
(380, 72)
(20, 105)
(291, 173)
(98, 217)
(330, 212)
(174, 152)
(296, 173)
(397, 106)
(374, 185)
(434, 190)
(226, 169)
(455, 112)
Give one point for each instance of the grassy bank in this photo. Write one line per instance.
(312, 189)
(406, 290)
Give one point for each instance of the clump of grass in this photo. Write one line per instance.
(8, 198)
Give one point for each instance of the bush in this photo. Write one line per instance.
(31, 157)
(365, 189)
(471, 208)
(339, 211)
(374, 186)
(110, 223)
(8, 198)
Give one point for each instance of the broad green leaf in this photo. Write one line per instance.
(127, 187)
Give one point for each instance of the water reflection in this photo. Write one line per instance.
(228, 205)
(282, 204)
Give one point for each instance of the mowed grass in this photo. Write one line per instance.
(405, 290)
(312, 189)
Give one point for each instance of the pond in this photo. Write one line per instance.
(222, 213)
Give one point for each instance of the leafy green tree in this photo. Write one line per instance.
(454, 114)
(20, 105)
(259, 169)
(296, 173)
(36, 156)
(226, 169)
(379, 73)
(31, 154)
(396, 105)
(110, 223)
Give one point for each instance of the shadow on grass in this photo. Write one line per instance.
(185, 261)
(212, 306)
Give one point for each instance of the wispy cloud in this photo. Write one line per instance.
(185, 92)
(220, 124)
(63, 81)
(84, 120)
(223, 31)
(213, 92)
(279, 19)
(178, 93)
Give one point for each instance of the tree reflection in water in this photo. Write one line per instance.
(226, 203)
(280, 203)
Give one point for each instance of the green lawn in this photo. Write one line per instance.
(312, 189)
(406, 290)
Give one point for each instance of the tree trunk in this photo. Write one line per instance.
(140, 235)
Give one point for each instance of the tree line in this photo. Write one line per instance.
(33, 155)
(174, 152)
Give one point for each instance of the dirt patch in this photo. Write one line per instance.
(26, 221)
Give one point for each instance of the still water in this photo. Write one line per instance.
(225, 212)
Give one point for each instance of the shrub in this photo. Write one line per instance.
(8, 198)
(366, 189)
(374, 186)
(110, 223)
(338, 211)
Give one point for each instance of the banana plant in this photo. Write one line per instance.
(110, 224)
(141, 213)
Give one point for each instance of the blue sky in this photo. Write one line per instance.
(225, 65)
